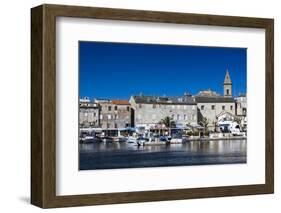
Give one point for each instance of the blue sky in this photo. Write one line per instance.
(119, 70)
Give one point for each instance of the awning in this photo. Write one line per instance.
(195, 126)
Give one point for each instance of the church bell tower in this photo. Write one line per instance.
(227, 85)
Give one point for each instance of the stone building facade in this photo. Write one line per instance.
(114, 114)
(210, 107)
(150, 110)
(241, 105)
(241, 109)
(210, 104)
(88, 113)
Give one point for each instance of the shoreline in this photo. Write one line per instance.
(218, 138)
(195, 139)
(187, 140)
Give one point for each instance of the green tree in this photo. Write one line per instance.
(168, 122)
(204, 123)
(237, 119)
(215, 123)
(86, 124)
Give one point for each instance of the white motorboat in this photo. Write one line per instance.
(176, 140)
(132, 139)
(89, 139)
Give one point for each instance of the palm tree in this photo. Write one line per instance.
(168, 122)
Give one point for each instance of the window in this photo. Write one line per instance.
(101, 117)
(213, 107)
(115, 108)
(231, 107)
(223, 107)
(128, 109)
(100, 108)
(173, 116)
(178, 117)
(227, 91)
(109, 117)
(95, 114)
(193, 117)
(202, 107)
(115, 126)
(184, 117)
(109, 108)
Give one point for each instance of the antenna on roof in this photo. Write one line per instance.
(186, 93)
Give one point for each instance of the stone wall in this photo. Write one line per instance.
(211, 110)
(241, 106)
(89, 116)
(114, 116)
(153, 113)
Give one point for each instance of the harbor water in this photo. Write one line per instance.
(113, 155)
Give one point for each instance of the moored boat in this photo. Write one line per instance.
(132, 139)
(89, 139)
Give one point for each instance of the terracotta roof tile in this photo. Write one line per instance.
(120, 102)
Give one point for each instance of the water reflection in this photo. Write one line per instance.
(106, 155)
(218, 146)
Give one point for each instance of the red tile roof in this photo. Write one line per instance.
(120, 102)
